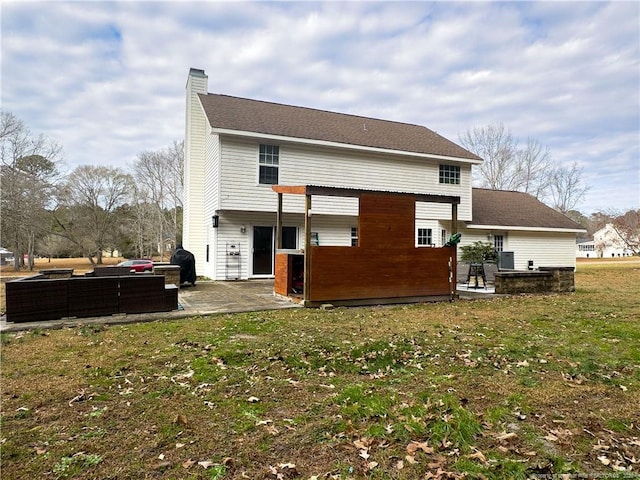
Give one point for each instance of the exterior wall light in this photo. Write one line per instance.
(214, 221)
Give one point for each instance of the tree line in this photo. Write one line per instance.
(89, 211)
(96, 209)
(527, 167)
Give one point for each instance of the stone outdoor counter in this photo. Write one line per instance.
(543, 280)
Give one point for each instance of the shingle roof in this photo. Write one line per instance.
(516, 209)
(246, 115)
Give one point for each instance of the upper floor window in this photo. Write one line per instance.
(269, 164)
(425, 236)
(450, 174)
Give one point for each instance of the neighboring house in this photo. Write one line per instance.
(5, 256)
(237, 148)
(606, 243)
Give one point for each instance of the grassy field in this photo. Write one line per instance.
(519, 387)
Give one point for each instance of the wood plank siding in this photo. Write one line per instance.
(352, 273)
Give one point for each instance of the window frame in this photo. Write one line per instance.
(449, 174)
(424, 234)
(268, 161)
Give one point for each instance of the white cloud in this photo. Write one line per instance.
(106, 79)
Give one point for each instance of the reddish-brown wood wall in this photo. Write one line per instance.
(282, 280)
(353, 273)
(386, 263)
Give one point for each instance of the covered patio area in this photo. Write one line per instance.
(386, 265)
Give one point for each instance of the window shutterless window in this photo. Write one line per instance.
(268, 163)
(498, 243)
(425, 236)
(450, 174)
(354, 236)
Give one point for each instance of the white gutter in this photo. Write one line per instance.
(525, 229)
(325, 143)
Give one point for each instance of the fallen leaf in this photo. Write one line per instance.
(479, 455)
(506, 436)
(399, 465)
(361, 443)
(205, 464)
(410, 459)
(188, 463)
(364, 454)
(372, 465)
(604, 460)
(413, 447)
(180, 419)
(253, 399)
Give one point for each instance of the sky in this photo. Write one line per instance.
(106, 80)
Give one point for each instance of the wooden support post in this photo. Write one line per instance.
(307, 250)
(453, 261)
(279, 224)
(454, 218)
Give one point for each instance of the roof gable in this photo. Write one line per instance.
(516, 209)
(246, 115)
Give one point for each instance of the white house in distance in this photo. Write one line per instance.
(606, 243)
(237, 148)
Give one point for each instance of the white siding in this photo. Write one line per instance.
(305, 165)
(212, 176)
(194, 227)
(237, 227)
(546, 249)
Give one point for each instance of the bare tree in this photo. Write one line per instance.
(28, 171)
(496, 146)
(87, 214)
(527, 168)
(160, 174)
(567, 187)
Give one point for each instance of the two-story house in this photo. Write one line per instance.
(236, 149)
(606, 243)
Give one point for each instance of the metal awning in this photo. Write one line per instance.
(326, 191)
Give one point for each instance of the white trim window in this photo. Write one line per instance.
(449, 174)
(443, 237)
(498, 243)
(268, 164)
(425, 236)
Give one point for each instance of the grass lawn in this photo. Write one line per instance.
(519, 387)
